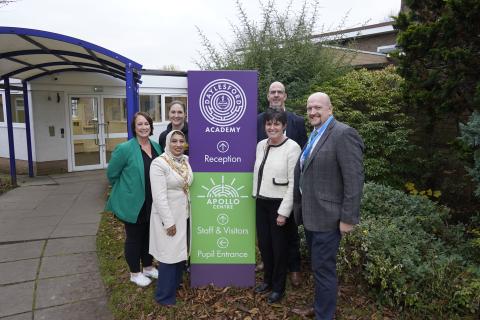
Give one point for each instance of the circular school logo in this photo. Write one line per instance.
(222, 102)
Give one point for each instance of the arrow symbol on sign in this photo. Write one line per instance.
(222, 243)
(222, 219)
(223, 146)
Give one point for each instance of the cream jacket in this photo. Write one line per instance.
(277, 179)
(170, 207)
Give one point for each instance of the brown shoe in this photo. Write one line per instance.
(259, 267)
(304, 312)
(295, 278)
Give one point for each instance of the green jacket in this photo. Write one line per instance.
(127, 177)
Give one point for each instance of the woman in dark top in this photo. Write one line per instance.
(177, 116)
(131, 196)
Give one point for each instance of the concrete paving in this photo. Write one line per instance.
(48, 261)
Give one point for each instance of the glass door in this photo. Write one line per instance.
(98, 124)
(114, 124)
(86, 136)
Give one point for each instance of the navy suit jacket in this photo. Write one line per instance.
(295, 128)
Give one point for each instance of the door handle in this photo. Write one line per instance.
(105, 134)
(96, 127)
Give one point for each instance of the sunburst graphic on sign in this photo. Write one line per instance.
(223, 190)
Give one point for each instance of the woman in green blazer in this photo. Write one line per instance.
(131, 197)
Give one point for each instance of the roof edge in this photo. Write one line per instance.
(71, 40)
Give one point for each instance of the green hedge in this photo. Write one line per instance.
(410, 257)
(372, 103)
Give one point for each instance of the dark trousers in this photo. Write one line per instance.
(273, 243)
(293, 248)
(136, 246)
(323, 249)
(169, 279)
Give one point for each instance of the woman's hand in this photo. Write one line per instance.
(172, 231)
(281, 220)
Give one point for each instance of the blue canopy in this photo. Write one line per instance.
(27, 54)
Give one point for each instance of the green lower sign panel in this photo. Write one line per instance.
(223, 218)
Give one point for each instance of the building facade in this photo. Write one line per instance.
(77, 119)
(366, 46)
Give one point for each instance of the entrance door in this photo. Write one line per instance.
(98, 124)
(115, 124)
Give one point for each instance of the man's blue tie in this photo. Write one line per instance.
(311, 142)
(313, 139)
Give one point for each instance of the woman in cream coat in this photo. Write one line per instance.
(171, 177)
(273, 190)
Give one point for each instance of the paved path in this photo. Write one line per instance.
(48, 260)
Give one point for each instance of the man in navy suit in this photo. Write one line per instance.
(276, 97)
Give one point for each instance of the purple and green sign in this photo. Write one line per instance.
(222, 137)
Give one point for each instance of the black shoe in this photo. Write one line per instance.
(275, 297)
(263, 287)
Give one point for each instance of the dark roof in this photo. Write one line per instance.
(367, 30)
(155, 72)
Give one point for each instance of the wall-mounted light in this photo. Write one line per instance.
(97, 89)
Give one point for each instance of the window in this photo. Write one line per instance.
(2, 119)
(74, 102)
(115, 109)
(152, 105)
(169, 100)
(18, 108)
(90, 110)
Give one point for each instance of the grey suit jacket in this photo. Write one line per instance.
(331, 181)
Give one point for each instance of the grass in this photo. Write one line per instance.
(5, 184)
(127, 301)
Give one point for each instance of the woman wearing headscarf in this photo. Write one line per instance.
(131, 199)
(171, 177)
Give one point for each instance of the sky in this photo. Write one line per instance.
(158, 33)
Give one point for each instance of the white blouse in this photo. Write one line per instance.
(276, 165)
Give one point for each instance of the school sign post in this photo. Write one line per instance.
(222, 137)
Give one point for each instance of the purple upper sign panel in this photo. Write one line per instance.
(222, 114)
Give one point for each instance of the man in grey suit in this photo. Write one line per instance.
(328, 188)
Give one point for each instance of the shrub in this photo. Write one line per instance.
(410, 257)
(470, 136)
(372, 103)
(5, 184)
(280, 48)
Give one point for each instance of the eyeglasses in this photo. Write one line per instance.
(315, 108)
(276, 92)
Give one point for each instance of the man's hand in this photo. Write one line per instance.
(345, 228)
(281, 220)
(172, 231)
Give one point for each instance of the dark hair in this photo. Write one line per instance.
(177, 102)
(146, 116)
(275, 115)
(179, 132)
